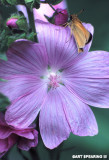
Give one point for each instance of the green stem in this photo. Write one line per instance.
(31, 22)
(52, 7)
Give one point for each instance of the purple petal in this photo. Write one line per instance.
(56, 40)
(12, 140)
(5, 130)
(27, 61)
(89, 78)
(6, 144)
(25, 138)
(18, 86)
(3, 145)
(60, 47)
(79, 116)
(26, 144)
(53, 124)
(25, 133)
(24, 58)
(23, 111)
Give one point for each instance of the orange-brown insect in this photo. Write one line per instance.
(81, 34)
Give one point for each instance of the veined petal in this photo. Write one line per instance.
(24, 58)
(89, 78)
(18, 86)
(54, 127)
(22, 112)
(60, 46)
(79, 115)
(27, 61)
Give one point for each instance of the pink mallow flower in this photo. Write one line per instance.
(61, 17)
(24, 138)
(50, 77)
(12, 23)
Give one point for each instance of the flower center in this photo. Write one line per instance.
(54, 80)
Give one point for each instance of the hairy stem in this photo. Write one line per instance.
(31, 22)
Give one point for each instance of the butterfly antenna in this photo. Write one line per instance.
(80, 12)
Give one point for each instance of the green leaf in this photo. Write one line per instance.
(57, 2)
(33, 4)
(28, 1)
(22, 23)
(50, 19)
(3, 56)
(31, 36)
(12, 2)
(12, 38)
(4, 102)
(38, 1)
(4, 2)
(53, 2)
(3, 44)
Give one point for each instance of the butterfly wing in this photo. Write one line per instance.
(82, 36)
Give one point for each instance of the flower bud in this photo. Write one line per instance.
(61, 16)
(11, 23)
(18, 22)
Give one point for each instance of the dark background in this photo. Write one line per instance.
(97, 13)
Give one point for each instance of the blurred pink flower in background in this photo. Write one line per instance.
(23, 9)
(24, 138)
(44, 9)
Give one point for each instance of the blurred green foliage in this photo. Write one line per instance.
(4, 102)
(97, 13)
